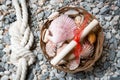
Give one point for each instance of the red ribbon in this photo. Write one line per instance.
(77, 38)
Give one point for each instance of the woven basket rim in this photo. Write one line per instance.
(99, 43)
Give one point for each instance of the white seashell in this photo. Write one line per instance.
(71, 12)
(87, 50)
(53, 15)
(79, 20)
(51, 49)
(73, 64)
(45, 35)
(62, 29)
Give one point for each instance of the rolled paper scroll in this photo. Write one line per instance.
(73, 43)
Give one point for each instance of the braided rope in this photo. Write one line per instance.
(21, 41)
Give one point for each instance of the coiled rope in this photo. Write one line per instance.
(21, 40)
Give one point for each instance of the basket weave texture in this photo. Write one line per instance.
(98, 45)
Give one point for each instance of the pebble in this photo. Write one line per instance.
(118, 54)
(95, 10)
(104, 9)
(62, 74)
(108, 35)
(6, 72)
(4, 7)
(1, 24)
(106, 65)
(40, 56)
(100, 5)
(5, 77)
(108, 18)
(61, 78)
(5, 58)
(40, 15)
(118, 63)
(1, 17)
(111, 55)
(1, 46)
(1, 73)
(8, 2)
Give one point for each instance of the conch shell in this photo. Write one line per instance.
(62, 29)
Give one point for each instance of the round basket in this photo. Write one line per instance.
(98, 44)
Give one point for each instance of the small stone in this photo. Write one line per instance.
(100, 5)
(106, 65)
(108, 35)
(41, 2)
(62, 79)
(1, 17)
(33, 1)
(62, 74)
(117, 36)
(1, 73)
(5, 77)
(111, 55)
(1, 46)
(53, 2)
(108, 18)
(116, 18)
(4, 7)
(1, 24)
(118, 54)
(8, 2)
(95, 10)
(5, 58)
(118, 63)
(104, 10)
(6, 72)
(118, 3)
(40, 15)
(40, 56)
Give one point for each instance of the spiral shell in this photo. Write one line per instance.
(62, 29)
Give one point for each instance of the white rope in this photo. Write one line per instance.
(21, 41)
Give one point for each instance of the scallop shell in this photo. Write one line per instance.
(87, 50)
(62, 29)
(50, 49)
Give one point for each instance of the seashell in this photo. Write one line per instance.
(71, 12)
(53, 15)
(69, 57)
(62, 29)
(45, 35)
(61, 48)
(79, 20)
(73, 64)
(62, 62)
(50, 49)
(91, 38)
(87, 50)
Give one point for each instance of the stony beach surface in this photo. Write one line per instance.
(107, 13)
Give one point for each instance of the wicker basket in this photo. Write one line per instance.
(98, 45)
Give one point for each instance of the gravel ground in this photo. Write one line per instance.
(106, 11)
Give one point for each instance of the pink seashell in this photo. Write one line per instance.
(87, 50)
(73, 64)
(62, 29)
(51, 49)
